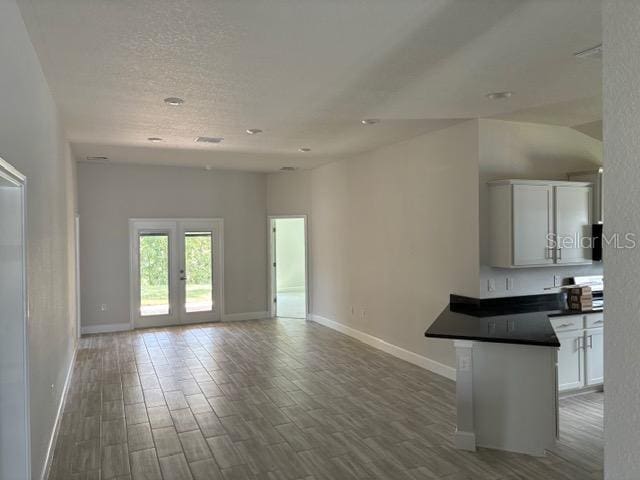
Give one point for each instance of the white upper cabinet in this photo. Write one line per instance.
(539, 223)
(573, 224)
(532, 223)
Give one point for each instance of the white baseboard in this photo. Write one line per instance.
(56, 425)
(105, 328)
(236, 317)
(465, 440)
(406, 355)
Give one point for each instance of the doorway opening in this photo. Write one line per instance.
(176, 271)
(288, 260)
(15, 447)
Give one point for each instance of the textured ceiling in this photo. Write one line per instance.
(306, 72)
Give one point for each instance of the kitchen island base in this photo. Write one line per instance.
(506, 397)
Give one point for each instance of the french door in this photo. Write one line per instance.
(176, 271)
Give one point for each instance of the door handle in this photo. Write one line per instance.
(590, 337)
(183, 278)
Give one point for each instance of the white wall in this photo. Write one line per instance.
(391, 234)
(532, 151)
(108, 195)
(289, 193)
(32, 139)
(622, 214)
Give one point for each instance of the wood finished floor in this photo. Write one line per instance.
(280, 399)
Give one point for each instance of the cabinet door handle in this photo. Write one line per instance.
(598, 321)
(590, 337)
(559, 253)
(580, 341)
(565, 325)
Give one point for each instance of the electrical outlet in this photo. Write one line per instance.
(557, 281)
(103, 307)
(364, 313)
(509, 283)
(491, 285)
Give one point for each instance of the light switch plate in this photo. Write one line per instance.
(491, 285)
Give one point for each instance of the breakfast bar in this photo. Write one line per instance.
(506, 380)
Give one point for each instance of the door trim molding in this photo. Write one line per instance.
(133, 256)
(270, 256)
(12, 175)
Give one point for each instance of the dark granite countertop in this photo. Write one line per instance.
(563, 313)
(517, 320)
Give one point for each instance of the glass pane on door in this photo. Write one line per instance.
(198, 253)
(154, 273)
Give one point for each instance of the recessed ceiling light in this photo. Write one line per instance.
(499, 95)
(370, 121)
(154, 139)
(304, 149)
(593, 52)
(173, 101)
(253, 131)
(98, 159)
(288, 169)
(209, 139)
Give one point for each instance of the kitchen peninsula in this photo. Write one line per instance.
(506, 375)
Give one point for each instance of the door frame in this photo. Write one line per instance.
(10, 174)
(271, 290)
(134, 280)
(77, 253)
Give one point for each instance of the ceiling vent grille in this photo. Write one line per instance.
(593, 52)
(209, 139)
(97, 159)
(288, 169)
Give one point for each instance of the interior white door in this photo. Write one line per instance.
(595, 356)
(15, 463)
(571, 360)
(200, 274)
(572, 224)
(532, 223)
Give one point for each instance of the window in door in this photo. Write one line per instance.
(198, 271)
(154, 273)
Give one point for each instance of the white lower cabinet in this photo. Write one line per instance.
(570, 361)
(594, 346)
(581, 352)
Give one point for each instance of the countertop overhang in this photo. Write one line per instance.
(522, 320)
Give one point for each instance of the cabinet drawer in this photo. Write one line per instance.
(593, 320)
(566, 323)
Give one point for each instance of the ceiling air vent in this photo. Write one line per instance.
(593, 52)
(98, 159)
(288, 169)
(209, 139)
